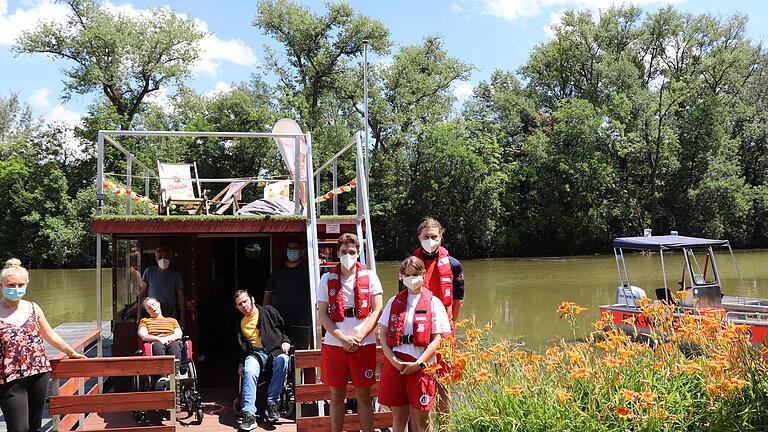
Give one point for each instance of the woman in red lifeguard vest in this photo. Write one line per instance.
(348, 305)
(409, 330)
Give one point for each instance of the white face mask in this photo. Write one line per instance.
(429, 245)
(163, 264)
(413, 281)
(348, 261)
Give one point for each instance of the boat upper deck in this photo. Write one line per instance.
(213, 224)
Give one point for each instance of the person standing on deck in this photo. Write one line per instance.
(24, 367)
(164, 284)
(288, 292)
(348, 305)
(410, 330)
(445, 278)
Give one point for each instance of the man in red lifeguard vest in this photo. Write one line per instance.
(348, 304)
(444, 276)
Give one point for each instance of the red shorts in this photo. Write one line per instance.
(337, 365)
(417, 389)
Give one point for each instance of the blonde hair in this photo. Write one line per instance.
(414, 263)
(13, 266)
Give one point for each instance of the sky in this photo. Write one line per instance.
(489, 34)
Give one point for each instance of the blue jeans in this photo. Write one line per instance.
(251, 372)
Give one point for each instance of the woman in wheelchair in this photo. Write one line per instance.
(263, 337)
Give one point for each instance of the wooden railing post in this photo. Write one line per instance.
(55, 392)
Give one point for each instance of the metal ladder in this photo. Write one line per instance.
(362, 217)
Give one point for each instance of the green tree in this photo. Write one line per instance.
(124, 57)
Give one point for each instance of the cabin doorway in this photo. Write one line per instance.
(226, 264)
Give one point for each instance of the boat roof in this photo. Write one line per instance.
(665, 242)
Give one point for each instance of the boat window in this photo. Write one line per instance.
(127, 279)
(703, 271)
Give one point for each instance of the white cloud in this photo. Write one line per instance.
(161, 99)
(220, 88)
(11, 25)
(462, 90)
(555, 18)
(39, 99)
(60, 114)
(513, 9)
(215, 50)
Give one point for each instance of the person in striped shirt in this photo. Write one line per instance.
(164, 333)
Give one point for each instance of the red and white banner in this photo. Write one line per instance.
(286, 146)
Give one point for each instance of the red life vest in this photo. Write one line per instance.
(422, 319)
(439, 277)
(336, 304)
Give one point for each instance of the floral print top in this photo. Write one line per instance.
(22, 349)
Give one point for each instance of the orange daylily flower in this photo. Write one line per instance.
(629, 394)
(612, 362)
(473, 333)
(580, 373)
(648, 397)
(515, 390)
(683, 294)
(691, 367)
(462, 323)
(623, 412)
(563, 395)
(518, 354)
(481, 375)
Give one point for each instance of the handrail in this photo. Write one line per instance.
(127, 153)
(334, 157)
(203, 134)
(87, 342)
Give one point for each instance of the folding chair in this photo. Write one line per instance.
(176, 187)
(231, 194)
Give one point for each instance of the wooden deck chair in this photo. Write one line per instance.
(176, 187)
(231, 194)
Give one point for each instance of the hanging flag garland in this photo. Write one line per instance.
(129, 193)
(339, 190)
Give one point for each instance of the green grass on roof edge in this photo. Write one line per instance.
(176, 218)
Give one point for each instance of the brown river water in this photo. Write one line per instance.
(519, 294)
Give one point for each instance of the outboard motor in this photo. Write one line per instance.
(629, 295)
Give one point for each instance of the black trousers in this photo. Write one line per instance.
(173, 348)
(22, 402)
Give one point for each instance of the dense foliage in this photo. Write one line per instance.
(696, 373)
(622, 121)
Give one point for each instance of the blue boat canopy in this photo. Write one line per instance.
(665, 242)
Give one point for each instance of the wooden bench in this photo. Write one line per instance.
(321, 392)
(65, 400)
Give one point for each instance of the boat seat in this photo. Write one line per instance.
(661, 295)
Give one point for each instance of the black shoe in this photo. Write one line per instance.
(272, 415)
(249, 421)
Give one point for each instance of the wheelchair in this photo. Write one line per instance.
(188, 398)
(286, 406)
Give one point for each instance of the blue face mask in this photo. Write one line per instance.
(14, 294)
(293, 255)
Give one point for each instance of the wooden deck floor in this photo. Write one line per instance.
(217, 404)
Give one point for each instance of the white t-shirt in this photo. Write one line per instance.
(440, 323)
(351, 325)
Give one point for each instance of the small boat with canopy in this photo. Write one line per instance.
(699, 290)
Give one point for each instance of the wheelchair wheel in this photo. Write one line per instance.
(199, 415)
(237, 403)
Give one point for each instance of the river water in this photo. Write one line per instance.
(519, 294)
